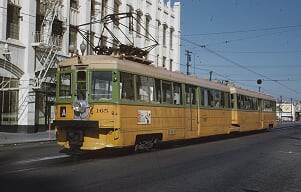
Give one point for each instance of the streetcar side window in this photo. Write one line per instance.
(268, 106)
(216, 102)
(247, 102)
(153, 90)
(142, 88)
(157, 94)
(215, 98)
(177, 94)
(127, 86)
(254, 102)
(225, 99)
(101, 85)
(65, 85)
(204, 97)
(240, 101)
(190, 94)
(166, 88)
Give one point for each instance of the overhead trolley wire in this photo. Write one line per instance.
(239, 65)
(244, 31)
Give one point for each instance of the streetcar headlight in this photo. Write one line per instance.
(80, 106)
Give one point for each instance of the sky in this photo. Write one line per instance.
(245, 40)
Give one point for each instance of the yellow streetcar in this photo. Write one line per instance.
(252, 110)
(113, 101)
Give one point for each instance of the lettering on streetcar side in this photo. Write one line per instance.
(98, 110)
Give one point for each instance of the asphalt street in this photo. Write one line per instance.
(261, 162)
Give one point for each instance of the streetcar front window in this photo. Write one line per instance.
(81, 85)
(65, 85)
(101, 85)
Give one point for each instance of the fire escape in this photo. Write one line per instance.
(48, 41)
(47, 45)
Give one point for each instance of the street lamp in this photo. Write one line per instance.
(259, 81)
(6, 52)
(83, 47)
(71, 49)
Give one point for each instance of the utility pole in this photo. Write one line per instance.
(188, 59)
(292, 110)
(210, 75)
(280, 108)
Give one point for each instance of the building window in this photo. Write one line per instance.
(104, 8)
(170, 64)
(92, 39)
(164, 62)
(164, 34)
(158, 30)
(171, 38)
(147, 22)
(93, 9)
(13, 21)
(131, 23)
(74, 4)
(116, 11)
(73, 37)
(9, 102)
(138, 24)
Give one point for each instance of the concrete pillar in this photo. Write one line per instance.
(26, 112)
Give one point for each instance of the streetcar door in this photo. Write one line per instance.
(261, 117)
(191, 108)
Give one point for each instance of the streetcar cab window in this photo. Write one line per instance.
(126, 86)
(101, 85)
(65, 85)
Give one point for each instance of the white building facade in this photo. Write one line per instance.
(36, 34)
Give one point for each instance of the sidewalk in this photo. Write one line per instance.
(15, 138)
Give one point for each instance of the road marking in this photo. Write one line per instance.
(20, 170)
(289, 152)
(43, 159)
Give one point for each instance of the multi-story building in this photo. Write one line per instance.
(36, 34)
